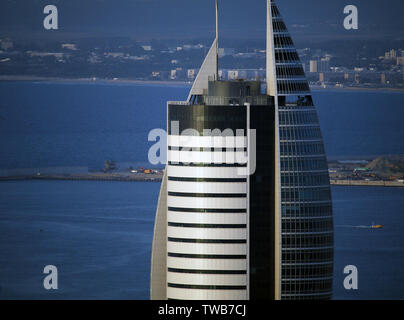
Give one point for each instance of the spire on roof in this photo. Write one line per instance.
(210, 66)
(270, 56)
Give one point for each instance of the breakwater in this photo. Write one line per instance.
(157, 177)
(152, 177)
(364, 183)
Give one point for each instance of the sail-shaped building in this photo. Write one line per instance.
(245, 206)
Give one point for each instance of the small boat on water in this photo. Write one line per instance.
(376, 226)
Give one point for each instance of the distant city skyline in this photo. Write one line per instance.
(155, 40)
(146, 19)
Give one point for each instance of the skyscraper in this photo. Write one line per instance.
(245, 205)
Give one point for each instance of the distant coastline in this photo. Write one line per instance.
(121, 177)
(25, 78)
(364, 183)
(91, 80)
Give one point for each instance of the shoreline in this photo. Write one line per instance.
(91, 80)
(139, 177)
(17, 78)
(364, 183)
(153, 177)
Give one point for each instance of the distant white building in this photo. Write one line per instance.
(226, 52)
(313, 66)
(173, 74)
(58, 55)
(176, 73)
(233, 74)
(70, 46)
(191, 73)
(192, 47)
(390, 55)
(115, 54)
(322, 65)
(400, 61)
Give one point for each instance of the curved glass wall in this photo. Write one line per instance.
(306, 211)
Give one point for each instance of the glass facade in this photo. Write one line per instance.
(262, 205)
(200, 117)
(306, 209)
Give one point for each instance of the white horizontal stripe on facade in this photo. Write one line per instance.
(207, 141)
(204, 172)
(206, 264)
(204, 294)
(206, 233)
(207, 187)
(207, 279)
(207, 217)
(179, 103)
(220, 157)
(207, 248)
(207, 203)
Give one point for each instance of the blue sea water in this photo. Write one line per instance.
(99, 234)
(378, 254)
(84, 124)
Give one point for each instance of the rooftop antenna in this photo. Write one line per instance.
(217, 40)
(271, 71)
(209, 68)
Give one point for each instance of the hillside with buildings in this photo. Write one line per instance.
(388, 166)
(343, 64)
